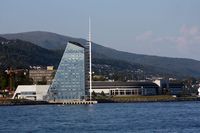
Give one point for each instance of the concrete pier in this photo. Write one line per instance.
(72, 102)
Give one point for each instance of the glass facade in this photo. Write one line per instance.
(69, 80)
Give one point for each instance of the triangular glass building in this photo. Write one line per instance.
(70, 79)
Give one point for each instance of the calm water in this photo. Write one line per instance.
(102, 118)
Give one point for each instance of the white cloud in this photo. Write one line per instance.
(189, 31)
(144, 36)
(188, 36)
(185, 44)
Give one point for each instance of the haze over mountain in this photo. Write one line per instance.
(54, 41)
(43, 39)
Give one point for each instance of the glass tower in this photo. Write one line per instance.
(69, 81)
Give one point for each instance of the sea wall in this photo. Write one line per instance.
(10, 102)
(145, 99)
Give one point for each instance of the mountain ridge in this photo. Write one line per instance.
(53, 41)
(25, 36)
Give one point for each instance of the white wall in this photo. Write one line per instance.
(40, 90)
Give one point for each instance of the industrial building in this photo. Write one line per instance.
(41, 75)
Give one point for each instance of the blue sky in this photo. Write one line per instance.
(154, 27)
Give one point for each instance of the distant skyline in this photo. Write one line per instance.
(154, 27)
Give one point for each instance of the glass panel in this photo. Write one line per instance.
(69, 81)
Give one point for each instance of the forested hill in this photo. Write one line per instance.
(22, 54)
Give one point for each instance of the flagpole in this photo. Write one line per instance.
(90, 58)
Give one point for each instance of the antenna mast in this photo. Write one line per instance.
(90, 58)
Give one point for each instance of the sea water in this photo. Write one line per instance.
(102, 118)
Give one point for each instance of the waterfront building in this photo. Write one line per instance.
(40, 92)
(176, 88)
(31, 92)
(125, 88)
(69, 82)
(172, 87)
(71, 89)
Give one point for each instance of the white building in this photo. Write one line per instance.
(199, 92)
(31, 92)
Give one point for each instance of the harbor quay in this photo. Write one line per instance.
(72, 102)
